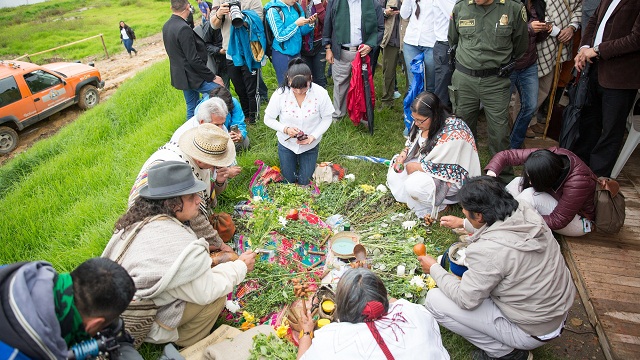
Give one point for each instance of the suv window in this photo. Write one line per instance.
(9, 92)
(40, 80)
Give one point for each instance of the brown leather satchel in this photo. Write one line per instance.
(224, 224)
(610, 206)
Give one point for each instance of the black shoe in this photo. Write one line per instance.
(250, 121)
(514, 355)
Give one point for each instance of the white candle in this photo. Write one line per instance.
(400, 270)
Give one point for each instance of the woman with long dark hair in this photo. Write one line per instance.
(556, 183)
(438, 156)
(126, 37)
(303, 112)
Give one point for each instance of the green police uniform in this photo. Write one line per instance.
(488, 37)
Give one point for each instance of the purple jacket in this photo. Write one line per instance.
(575, 194)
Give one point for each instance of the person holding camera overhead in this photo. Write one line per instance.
(304, 110)
(287, 21)
(245, 82)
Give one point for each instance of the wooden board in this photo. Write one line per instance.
(606, 270)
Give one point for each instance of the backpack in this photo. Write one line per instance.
(210, 5)
(268, 32)
(133, 34)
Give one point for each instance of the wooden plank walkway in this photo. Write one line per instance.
(606, 269)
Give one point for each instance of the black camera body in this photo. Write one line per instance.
(106, 342)
(235, 13)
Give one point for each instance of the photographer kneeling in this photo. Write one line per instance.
(517, 291)
(44, 312)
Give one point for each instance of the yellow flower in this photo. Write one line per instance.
(367, 188)
(282, 331)
(248, 317)
(430, 282)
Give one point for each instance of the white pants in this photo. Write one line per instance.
(485, 326)
(545, 204)
(417, 191)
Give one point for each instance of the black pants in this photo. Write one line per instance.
(602, 125)
(245, 83)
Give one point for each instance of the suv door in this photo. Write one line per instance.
(49, 92)
(14, 105)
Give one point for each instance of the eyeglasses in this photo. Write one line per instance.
(420, 122)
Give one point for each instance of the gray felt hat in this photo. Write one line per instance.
(170, 179)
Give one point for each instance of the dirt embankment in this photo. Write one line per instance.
(115, 70)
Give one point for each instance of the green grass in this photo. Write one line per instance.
(32, 28)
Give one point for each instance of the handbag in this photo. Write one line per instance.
(610, 206)
(224, 225)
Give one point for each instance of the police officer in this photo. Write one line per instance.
(490, 35)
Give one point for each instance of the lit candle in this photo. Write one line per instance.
(400, 270)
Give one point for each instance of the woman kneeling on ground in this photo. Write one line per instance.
(302, 107)
(370, 327)
(517, 291)
(169, 264)
(556, 183)
(438, 156)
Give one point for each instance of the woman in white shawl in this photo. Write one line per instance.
(438, 156)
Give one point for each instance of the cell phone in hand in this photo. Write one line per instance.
(394, 8)
(549, 23)
(234, 128)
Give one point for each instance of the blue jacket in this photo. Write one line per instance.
(287, 35)
(240, 40)
(235, 117)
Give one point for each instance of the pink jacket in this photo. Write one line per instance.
(575, 194)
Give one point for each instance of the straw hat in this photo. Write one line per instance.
(170, 179)
(209, 144)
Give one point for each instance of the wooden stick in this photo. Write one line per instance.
(552, 97)
(325, 239)
(313, 252)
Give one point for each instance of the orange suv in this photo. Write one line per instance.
(30, 93)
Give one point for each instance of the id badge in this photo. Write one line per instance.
(586, 225)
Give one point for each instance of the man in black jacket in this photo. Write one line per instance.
(187, 57)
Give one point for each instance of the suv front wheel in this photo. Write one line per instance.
(8, 139)
(88, 97)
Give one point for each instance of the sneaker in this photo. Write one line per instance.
(397, 95)
(516, 354)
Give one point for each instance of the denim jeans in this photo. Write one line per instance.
(298, 167)
(317, 64)
(128, 44)
(280, 63)
(442, 71)
(193, 96)
(411, 52)
(526, 82)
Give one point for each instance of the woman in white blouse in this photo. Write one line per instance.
(299, 107)
(420, 36)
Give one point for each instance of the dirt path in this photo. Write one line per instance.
(115, 70)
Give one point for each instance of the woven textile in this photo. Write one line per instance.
(558, 12)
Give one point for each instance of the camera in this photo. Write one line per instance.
(106, 342)
(235, 13)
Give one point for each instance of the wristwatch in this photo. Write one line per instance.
(303, 333)
(597, 50)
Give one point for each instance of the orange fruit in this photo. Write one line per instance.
(419, 249)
